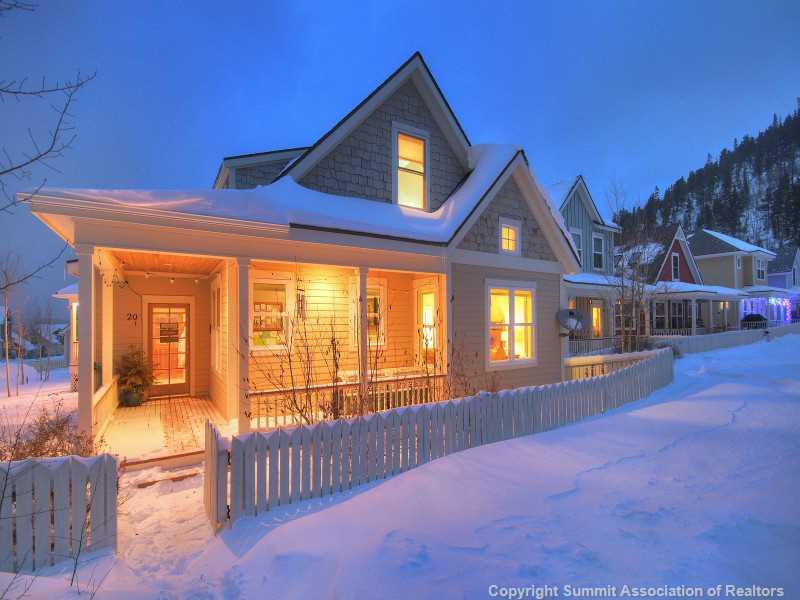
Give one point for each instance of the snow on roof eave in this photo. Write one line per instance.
(285, 203)
(738, 244)
(682, 287)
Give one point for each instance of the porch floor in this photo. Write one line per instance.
(160, 427)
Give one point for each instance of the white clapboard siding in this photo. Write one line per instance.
(284, 466)
(55, 508)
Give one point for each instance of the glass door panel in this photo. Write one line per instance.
(169, 348)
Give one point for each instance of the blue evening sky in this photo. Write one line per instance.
(636, 92)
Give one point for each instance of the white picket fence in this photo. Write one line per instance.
(284, 466)
(690, 344)
(54, 509)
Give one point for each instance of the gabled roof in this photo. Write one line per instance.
(655, 252)
(416, 68)
(784, 259)
(706, 241)
(591, 206)
(255, 158)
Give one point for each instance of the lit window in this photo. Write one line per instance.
(597, 321)
(511, 325)
(410, 171)
(374, 317)
(676, 267)
(598, 254)
(270, 314)
(577, 237)
(426, 308)
(509, 236)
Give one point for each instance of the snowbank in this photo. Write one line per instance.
(695, 485)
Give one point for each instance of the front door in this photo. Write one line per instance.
(169, 348)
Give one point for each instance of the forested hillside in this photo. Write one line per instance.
(751, 191)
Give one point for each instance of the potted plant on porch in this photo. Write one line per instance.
(135, 377)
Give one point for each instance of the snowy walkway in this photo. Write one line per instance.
(696, 485)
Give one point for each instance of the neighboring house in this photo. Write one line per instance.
(70, 294)
(728, 261)
(388, 252)
(594, 290)
(681, 303)
(784, 272)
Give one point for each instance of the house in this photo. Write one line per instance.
(594, 290)
(391, 261)
(728, 261)
(680, 301)
(70, 294)
(784, 272)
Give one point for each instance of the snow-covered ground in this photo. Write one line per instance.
(696, 485)
(34, 395)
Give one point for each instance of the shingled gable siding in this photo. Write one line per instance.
(361, 165)
(484, 236)
(258, 174)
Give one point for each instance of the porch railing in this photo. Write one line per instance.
(291, 406)
(584, 367)
(584, 346)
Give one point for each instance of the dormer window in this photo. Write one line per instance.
(510, 231)
(411, 151)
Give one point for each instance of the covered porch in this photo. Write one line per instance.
(595, 297)
(249, 343)
(693, 313)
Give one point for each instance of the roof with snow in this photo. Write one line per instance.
(706, 241)
(683, 288)
(286, 202)
(66, 292)
(784, 259)
(765, 290)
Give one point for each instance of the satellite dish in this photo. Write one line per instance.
(572, 319)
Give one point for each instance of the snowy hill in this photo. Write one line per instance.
(751, 192)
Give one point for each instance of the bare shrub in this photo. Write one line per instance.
(52, 432)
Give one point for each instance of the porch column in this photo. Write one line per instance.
(85, 253)
(243, 379)
(693, 308)
(612, 317)
(363, 342)
(107, 317)
(710, 316)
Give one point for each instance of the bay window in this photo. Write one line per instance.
(511, 324)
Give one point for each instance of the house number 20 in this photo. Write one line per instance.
(132, 316)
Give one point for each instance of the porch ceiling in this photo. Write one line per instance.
(166, 263)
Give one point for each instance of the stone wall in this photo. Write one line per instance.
(361, 165)
(484, 236)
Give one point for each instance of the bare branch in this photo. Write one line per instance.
(8, 283)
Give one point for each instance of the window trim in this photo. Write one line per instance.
(573, 231)
(511, 286)
(675, 266)
(383, 284)
(517, 226)
(760, 267)
(216, 326)
(290, 284)
(598, 236)
(398, 128)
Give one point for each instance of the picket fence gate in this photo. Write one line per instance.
(255, 472)
(53, 509)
